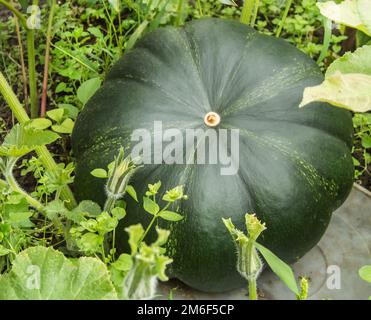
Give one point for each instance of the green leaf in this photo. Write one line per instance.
(106, 223)
(280, 268)
(131, 192)
(4, 251)
(40, 123)
(350, 91)
(89, 207)
(69, 110)
(174, 194)
(123, 263)
(153, 189)
(86, 208)
(366, 141)
(56, 115)
(90, 242)
(119, 213)
(17, 214)
(99, 173)
(96, 32)
(150, 206)
(19, 217)
(356, 162)
(40, 273)
(136, 34)
(135, 234)
(65, 127)
(170, 216)
(55, 208)
(87, 89)
(352, 13)
(116, 5)
(22, 140)
(162, 237)
(365, 273)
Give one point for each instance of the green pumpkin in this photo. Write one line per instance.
(295, 166)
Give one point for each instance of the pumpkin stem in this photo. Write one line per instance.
(212, 119)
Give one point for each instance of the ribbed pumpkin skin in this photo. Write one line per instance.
(295, 164)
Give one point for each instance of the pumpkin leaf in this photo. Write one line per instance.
(365, 273)
(55, 208)
(99, 173)
(350, 91)
(90, 242)
(364, 10)
(88, 207)
(358, 61)
(150, 206)
(40, 273)
(87, 89)
(170, 216)
(347, 83)
(280, 268)
(351, 13)
(24, 139)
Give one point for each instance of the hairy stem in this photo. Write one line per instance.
(109, 204)
(21, 58)
(252, 279)
(47, 58)
(8, 174)
(32, 73)
(252, 289)
(43, 153)
(30, 57)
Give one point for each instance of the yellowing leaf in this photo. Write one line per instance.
(350, 91)
(364, 10)
(349, 12)
(358, 61)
